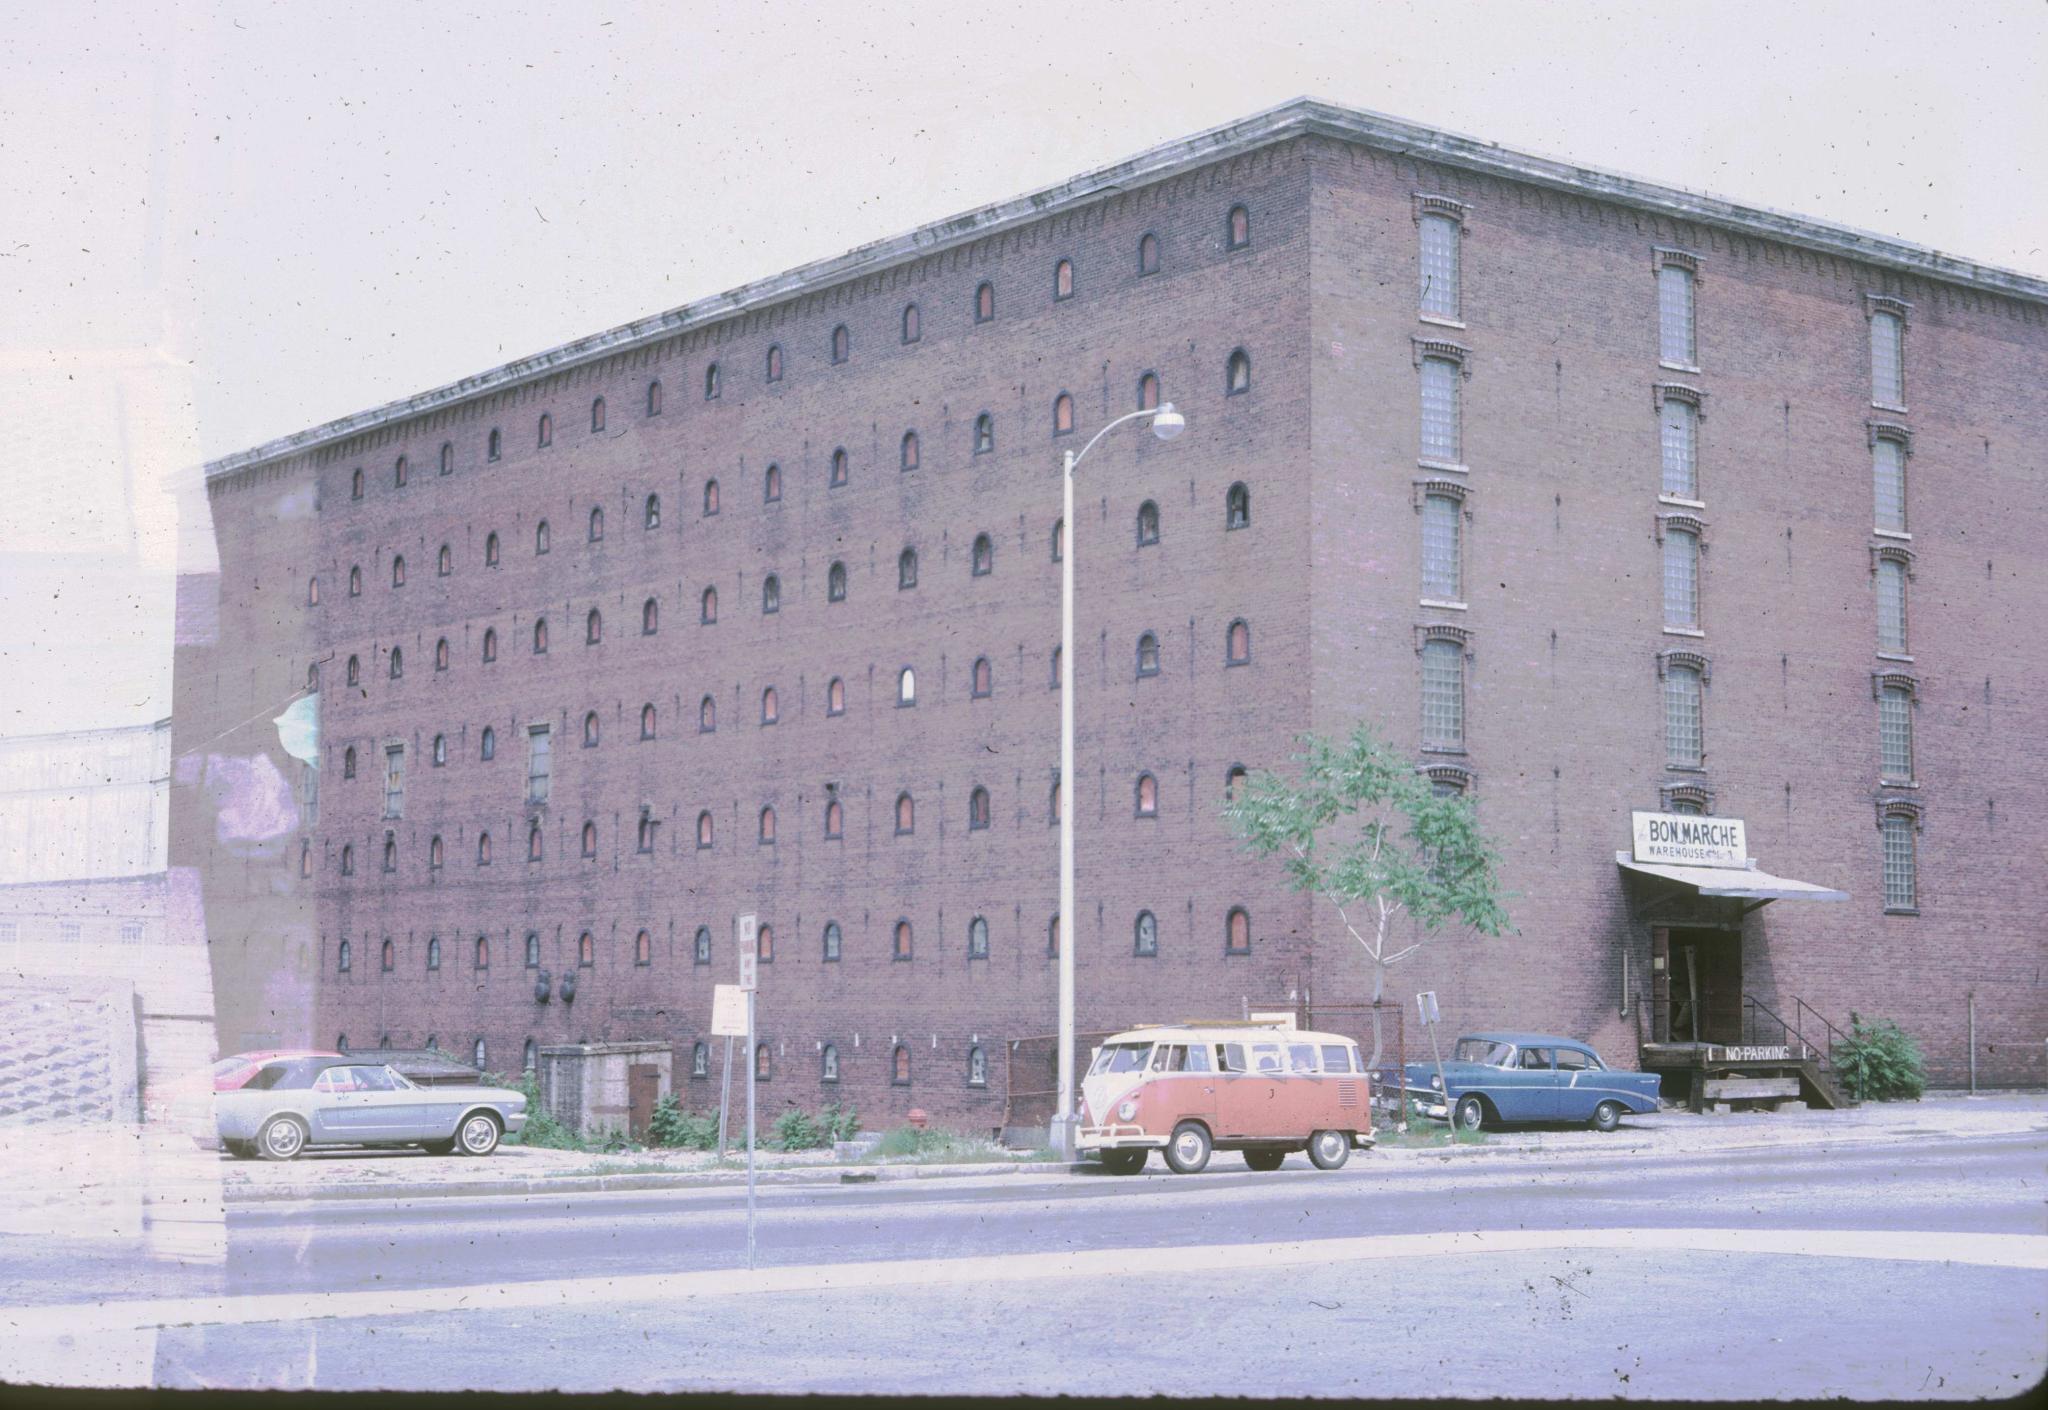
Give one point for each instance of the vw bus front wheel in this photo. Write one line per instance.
(1123, 1162)
(1188, 1152)
(1328, 1150)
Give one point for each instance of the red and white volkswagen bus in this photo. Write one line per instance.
(1188, 1089)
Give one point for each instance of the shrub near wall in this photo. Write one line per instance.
(1879, 1062)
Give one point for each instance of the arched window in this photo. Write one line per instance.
(700, 1060)
(1233, 783)
(707, 607)
(710, 498)
(1237, 507)
(348, 859)
(835, 696)
(906, 568)
(1062, 414)
(644, 840)
(654, 397)
(533, 842)
(913, 323)
(775, 362)
(540, 537)
(1148, 254)
(313, 678)
(596, 524)
(1052, 935)
(977, 1066)
(764, 944)
(899, 1068)
(651, 517)
(832, 942)
(1148, 523)
(355, 580)
(447, 457)
(531, 1057)
(433, 956)
(540, 637)
(842, 343)
(1059, 539)
(593, 628)
(344, 957)
(711, 382)
(771, 595)
(707, 715)
(398, 570)
(977, 809)
(532, 950)
(835, 819)
(477, 1055)
(1237, 643)
(982, 682)
(700, 945)
(390, 852)
(491, 550)
(906, 686)
(839, 467)
(771, 485)
(828, 1064)
(984, 433)
(435, 853)
(1146, 804)
(906, 814)
(483, 849)
(597, 415)
(1148, 392)
(984, 303)
(771, 707)
(643, 949)
(1063, 280)
(1145, 935)
(1237, 373)
(835, 583)
(490, 643)
(355, 485)
(589, 839)
(910, 451)
(647, 719)
(763, 1062)
(545, 433)
(977, 938)
(1237, 932)
(495, 445)
(348, 762)
(984, 558)
(355, 670)
(590, 730)
(650, 617)
(482, 957)
(397, 663)
(1055, 682)
(313, 591)
(901, 949)
(1237, 229)
(704, 828)
(445, 562)
(1148, 654)
(489, 743)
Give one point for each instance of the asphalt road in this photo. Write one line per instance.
(1881, 1271)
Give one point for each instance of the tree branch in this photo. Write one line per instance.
(1371, 948)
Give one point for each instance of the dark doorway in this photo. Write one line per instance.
(1706, 985)
(643, 1091)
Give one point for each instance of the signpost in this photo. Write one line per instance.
(1425, 1004)
(728, 1021)
(750, 975)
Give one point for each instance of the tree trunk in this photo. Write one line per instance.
(1379, 987)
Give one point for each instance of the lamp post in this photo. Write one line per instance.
(1166, 424)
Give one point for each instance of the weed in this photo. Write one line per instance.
(1879, 1062)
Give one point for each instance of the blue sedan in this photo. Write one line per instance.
(1493, 1079)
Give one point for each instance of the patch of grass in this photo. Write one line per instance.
(628, 1167)
(1427, 1135)
(906, 1145)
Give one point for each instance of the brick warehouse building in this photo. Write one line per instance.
(1599, 495)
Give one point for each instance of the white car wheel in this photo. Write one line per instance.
(282, 1139)
(479, 1134)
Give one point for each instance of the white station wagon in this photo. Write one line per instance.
(292, 1104)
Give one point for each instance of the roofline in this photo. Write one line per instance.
(1298, 117)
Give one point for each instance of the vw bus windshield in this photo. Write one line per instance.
(1484, 1051)
(1121, 1057)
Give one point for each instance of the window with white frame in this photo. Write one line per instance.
(394, 781)
(1678, 434)
(1895, 731)
(1681, 578)
(1443, 521)
(1684, 725)
(539, 762)
(1676, 343)
(1888, 482)
(1888, 357)
(1439, 292)
(1443, 693)
(1891, 605)
(1440, 432)
(1901, 888)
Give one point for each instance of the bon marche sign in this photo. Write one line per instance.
(1680, 840)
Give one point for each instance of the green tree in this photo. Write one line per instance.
(1356, 824)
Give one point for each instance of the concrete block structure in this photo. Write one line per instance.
(1597, 495)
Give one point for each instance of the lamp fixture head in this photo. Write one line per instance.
(1168, 423)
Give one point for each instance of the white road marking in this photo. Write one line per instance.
(2024, 1251)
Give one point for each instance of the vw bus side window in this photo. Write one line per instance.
(1336, 1057)
(1301, 1057)
(1121, 1057)
(1266, 1059)
(1230, 1057)
(1197, 1055)
(1163, 1059)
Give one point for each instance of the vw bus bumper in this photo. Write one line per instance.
(1117, 1138)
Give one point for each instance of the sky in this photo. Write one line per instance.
(222, 223)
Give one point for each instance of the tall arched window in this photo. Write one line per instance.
(643, 949)
(1237, 229)
(1233, 783)
(984, 433)
(590, 729)
(711, 382)
(313, 592)
(1146, 797)
(704, 828)
(707, 607)
(710, 498)
(490, 643)
(764, 943)
(651, 516)
(482, 955)
(832, 943)
(835, 583)
(983, 561)
(902, 947)
(445, 562)
(775, 362)
(447, 458)
(1148, 253)
(1062, 414)
(433, 956)
(835, 696)
(977, 938)
(533, 842)
(1237, 507)
(477, 1056)
(913, 323)
(771, 708)
(835, 819)
(441, 655)
(540, 537)
(435, 853)
(700, 1060)
(1148, 392)
(397, 663)
(1237, 932)
(355, 580)
(1063, 280)
(540, 637)
(343, 957)
(483, 849)
(1148, 524)
(545, 433)
(771, 485)
(1148, 654)
(984, 303)
(700, 946)
(906, 814)
(707, 715)
(596, 524)
(355, 484)
(491, 550)
(771, 595)
(840, 467)
(348, 762)
(1145, 935)
(530, 1058)
(647, 718)
(1237, 643)
(899, 1069)
(910, 451)
(589, 839)
(650, 617)
(654, 397)
(906, 686)
(977, 1066)
(1052, 935)
(1059, 539)
(977, 809)
(906, 568)
(828, 1063)
(842, 343)
(532, 950)
(764, 1062)
(982, 682)
(390, 852)
(355, 670)
(593, 628)
(398, 570)
(348, 859)
(597, 415)
(495, 445)
(488, 743)
(1237, 373)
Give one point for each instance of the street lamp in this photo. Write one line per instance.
(1166, 424)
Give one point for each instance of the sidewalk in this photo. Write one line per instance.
(520, 1170)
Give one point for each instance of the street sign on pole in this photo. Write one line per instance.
(728, 1011)
(751, 1063)
(747, 932)
(1425, 1004)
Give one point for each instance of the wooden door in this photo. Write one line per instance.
(643, 1090)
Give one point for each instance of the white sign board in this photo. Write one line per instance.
(1278, 1020)
(728, 1011)
(749, 947)
(1425, 1005)
(1677, 839)
(750, 971)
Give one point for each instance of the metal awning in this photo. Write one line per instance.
(1741, 883)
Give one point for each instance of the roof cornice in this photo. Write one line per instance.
(1298, 118)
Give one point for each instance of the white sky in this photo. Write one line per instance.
(220, 223)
